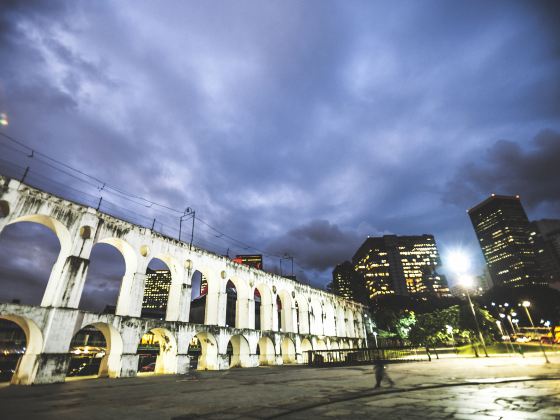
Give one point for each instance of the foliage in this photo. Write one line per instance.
(451, 325)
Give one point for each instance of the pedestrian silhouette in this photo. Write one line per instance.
(379, 369)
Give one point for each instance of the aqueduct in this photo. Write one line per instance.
(308, 318)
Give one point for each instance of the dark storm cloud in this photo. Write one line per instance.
(508, 168)
(318, 245)
(282, 121)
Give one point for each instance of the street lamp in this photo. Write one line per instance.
(526, 305)
(467, 282)
(375, 338)
(499, 324)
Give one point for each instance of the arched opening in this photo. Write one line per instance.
(28, 254)
(266, 351)
(257, 300)
(87, 348)
(157, 352)
(96, 350)
(279, 313)
(199, 290)
(334, 345)
(22, 341)
(104, 277)
(263, 307)
(238, 352)
(306, 345)
(156, 289)
(204, 348)
(231, 304)
(288, 351)
(320, 345)
(12, 347)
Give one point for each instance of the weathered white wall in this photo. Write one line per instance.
(79, 228)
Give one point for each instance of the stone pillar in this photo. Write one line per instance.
(51, 368)
(267, 316)
(179, 302)
(129, 365)
(251, 314)
(215, 308)
(66, 282)
(183, 363)
(68, 275)
(242, 313)
(223, 362)
(130, 298)
(252, 360)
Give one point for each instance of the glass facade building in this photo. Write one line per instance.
(401, 265)
(504, 235)
(156, 293)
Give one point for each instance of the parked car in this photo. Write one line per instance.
(148, 368)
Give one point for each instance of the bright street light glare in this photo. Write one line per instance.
(466, 281)
(526, 303)
(459, 262)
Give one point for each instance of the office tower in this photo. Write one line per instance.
(504, 235)
(401, 265)
(546, 234)
(342, 280)
(156, 293)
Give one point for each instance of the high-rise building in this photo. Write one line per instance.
(342, 280)
(400, 265)
(504, 235)
(156, 293)
(546, 233)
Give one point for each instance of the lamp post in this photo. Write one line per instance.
(466, 281)
(526, 305)
(499, 324)
(375, 338)
(503, 316)
(189, 213)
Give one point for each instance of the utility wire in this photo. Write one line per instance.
(100, 185)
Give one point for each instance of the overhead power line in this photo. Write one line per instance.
(102, 186)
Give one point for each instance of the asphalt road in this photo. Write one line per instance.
(495, 387)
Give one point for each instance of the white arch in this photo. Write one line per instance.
(61, 231)
(27, 365)
(266, 311)
(126, 250)
(267, 352)
(111, 362)
(288, 350)
(208, 359)
(241, 352)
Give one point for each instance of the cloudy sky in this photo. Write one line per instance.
(297, 127)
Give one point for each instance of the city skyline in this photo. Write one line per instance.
(223, 115)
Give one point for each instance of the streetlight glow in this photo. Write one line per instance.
(526, 303)
(466, 281)
(459, 262)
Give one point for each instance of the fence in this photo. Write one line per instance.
(349, 357)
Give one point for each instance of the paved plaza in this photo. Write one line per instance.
(496, 387)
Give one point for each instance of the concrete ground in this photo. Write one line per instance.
(495, 387)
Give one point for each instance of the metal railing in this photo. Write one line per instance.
(349, 357)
